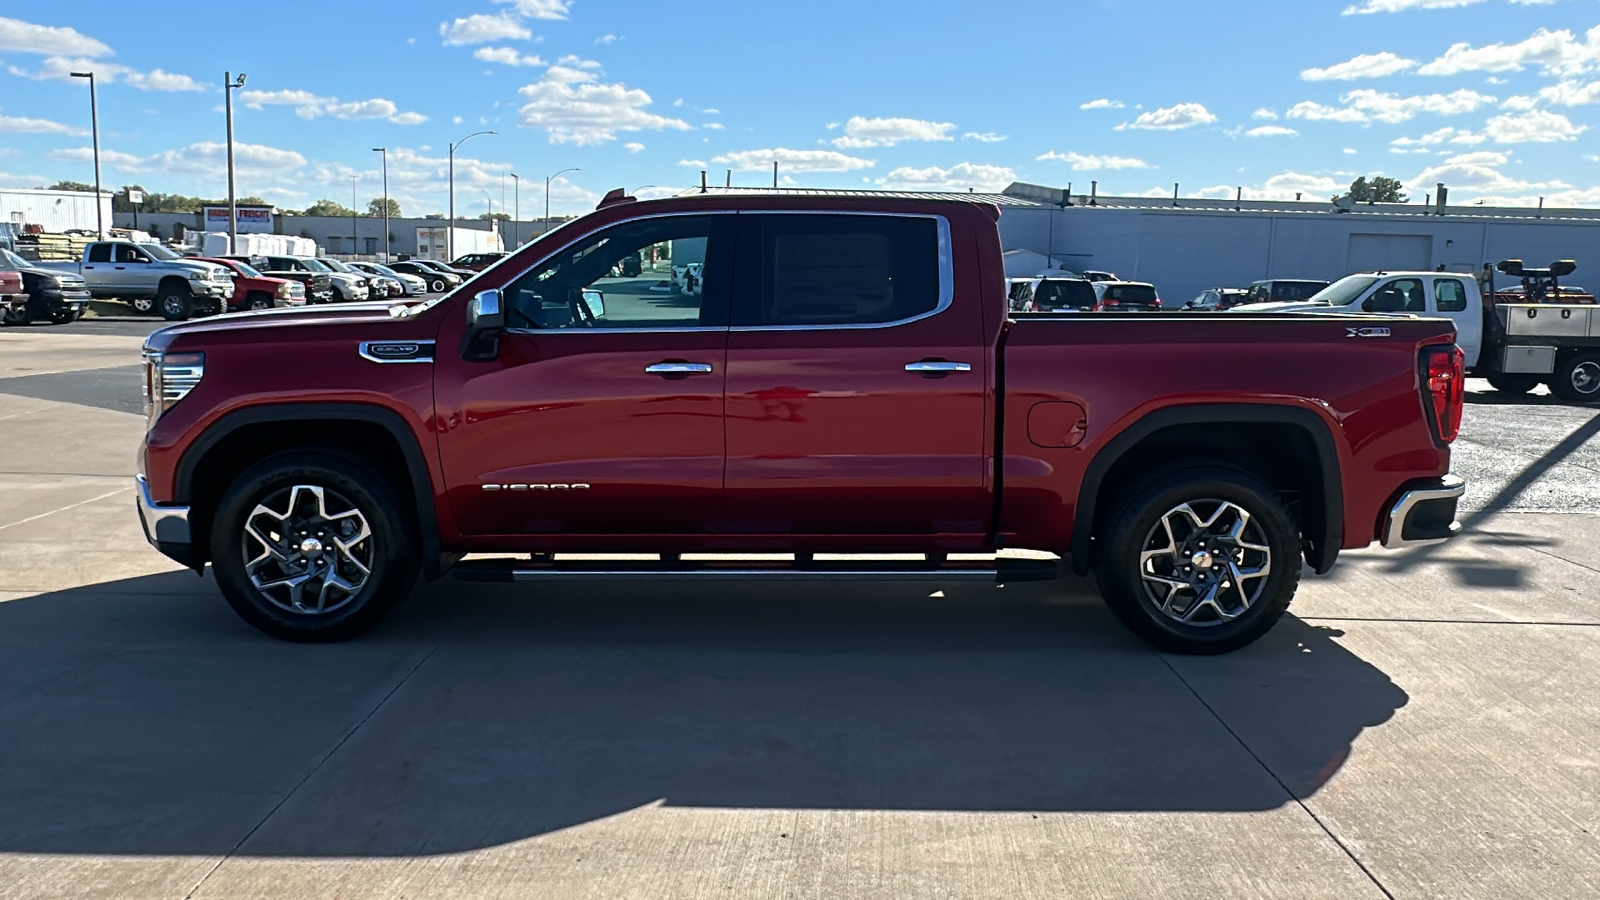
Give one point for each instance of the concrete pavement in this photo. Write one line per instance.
(1426, 724)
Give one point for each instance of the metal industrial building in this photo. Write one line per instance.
(1185, 246)
(337, 235)
(54, 211)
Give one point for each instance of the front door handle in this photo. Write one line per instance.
(673, 367)
(936, 367)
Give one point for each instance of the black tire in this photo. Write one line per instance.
(259, 301)
(15, 317)
(65, 316)
(1513, 384)
(437, 285)
(143, 305)
(338, 296)
(390, 552)
(1134, 521)
(175, 304)
(1577, 378)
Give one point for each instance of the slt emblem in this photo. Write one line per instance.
(1367, 332)
(536, 487)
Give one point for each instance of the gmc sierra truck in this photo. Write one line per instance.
(151, 278)
(847, 383)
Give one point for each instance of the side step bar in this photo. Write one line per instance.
(995, 570)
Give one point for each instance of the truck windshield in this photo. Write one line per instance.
(157, 251)
(1344, 291)
(11, 260)
(315, 265)
(336, 265)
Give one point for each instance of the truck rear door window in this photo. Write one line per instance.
(1450, 294)
(100, 253)
(825, 270)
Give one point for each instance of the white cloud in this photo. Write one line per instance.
(692, 163)
(1264, 113)
(1271, 131)
(576, 109)
(633, 146)
(1351, 151)
(1540, 126)
(60, 68)
(1555, 52)
(861, 132)
(1562, 93)
(959, 177)
(1367, 65)
(577, 62)
(793, 160)
(1476, 173)
(986, 137)
(21, 125)
(541, 9)
(1369, 7)
(479, 28)
(606, 40)
(25, 37)
(1312, 111)
(1283, 186)
(204, 158)
(1172, 118)
(1103, 103)
(1081, 162)
(1442, 136)
(506, 56)
(310, 106)
(1367, 104)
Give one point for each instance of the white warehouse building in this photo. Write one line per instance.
(53, 211)
(1186, 246)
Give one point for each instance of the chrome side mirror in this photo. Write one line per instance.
(486, 318)
(596, 301)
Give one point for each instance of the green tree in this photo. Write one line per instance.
(375, 208)
(71, 186)
(498, 217)
(1378, 190)
(328, 208)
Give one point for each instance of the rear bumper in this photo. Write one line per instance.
(13, 301)
(1424, 512)
(166, 527)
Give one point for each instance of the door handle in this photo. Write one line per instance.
(937, 367)
(678, 368)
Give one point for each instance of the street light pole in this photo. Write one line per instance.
(94, 124)
(547, 180)
(229, 85)
(516, 211)
(353, 201)
(385, 152)
(450, 232)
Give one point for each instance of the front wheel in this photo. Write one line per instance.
(438, 285)
(1577, 380)
(66, 316)
(260, 301)
(1198, 561)
(175, 304)
(311, 547)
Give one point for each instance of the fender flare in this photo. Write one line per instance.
(1326, 549)
(416, 461)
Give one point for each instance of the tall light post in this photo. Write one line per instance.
(516, 211)
(385, 152)
(450, 233)
(94, 123)
(547, 180)
(353, 201)
(229, 85)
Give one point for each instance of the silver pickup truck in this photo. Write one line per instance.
(152, 278)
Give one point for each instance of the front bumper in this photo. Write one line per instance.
(166, 527)
(1424, 512)
(55, 301)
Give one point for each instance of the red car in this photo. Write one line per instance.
(12, 300)
(848, 380)
(253, 290)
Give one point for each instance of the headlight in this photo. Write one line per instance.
(197, 275)
(168, 378)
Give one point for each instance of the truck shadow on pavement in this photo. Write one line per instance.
(140, 717)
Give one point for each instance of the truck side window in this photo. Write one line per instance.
(126, 254)
(822, 270)
(1451, 296)
(663, 272)
(100, 253)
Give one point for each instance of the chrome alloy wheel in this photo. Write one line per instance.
(307, 549)
(1586, 377)
(1205, 562)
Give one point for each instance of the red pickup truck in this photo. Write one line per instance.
(847, 381)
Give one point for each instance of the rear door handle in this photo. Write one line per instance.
(678, 368)
(937, 367)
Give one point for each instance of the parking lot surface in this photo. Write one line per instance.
(1423, 724)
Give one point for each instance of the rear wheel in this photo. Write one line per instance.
(175, 304)
(1513, 384)
(1577, 379)
(15, 316)
(308, 546)
(1200, 561)
(143, 305)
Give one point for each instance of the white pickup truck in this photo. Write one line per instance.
(1517, 346)
(151, 278)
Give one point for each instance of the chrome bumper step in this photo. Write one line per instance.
(994, 570)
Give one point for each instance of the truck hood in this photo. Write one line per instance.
(289, 317)
(1283, 306)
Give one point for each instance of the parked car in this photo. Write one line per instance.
(1125, 296)
(438, 282)
(410, 285)
(464, 274)
(1217, 299)
(150, 277)
(886, 406)
(253, 290)
(313, 277)
(476, 262)
(1282, 290)
(352, 286)
(13, 302)
(52, 294)
(1093, 275)
(1049, 294)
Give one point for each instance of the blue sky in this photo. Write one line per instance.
(1498, 98)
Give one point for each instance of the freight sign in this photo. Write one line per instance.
(256, 219)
